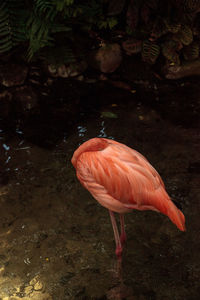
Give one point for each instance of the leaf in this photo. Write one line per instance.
(108, 114)
(170, 51)
(150, 51)
(191, 52)
(12, 13)
(185, 35)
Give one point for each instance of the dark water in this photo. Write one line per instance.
(57, 241)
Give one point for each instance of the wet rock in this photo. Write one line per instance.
(28, 290)
(33, 296)
(66, 71)
(107, 58)
(5, 104)
(188, 69)
(11, 298)
(132, 46)
(64, 279)
(120, 84)
(38, 286)
(25, 98)
(120, 292)
(134, 69)
(194, 167)
(36, 283)
(13, 74)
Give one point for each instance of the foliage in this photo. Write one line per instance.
(168, 28)
(12, 13)
(170, 51)
(39, 21)
(191, 52)
(150, 51)
(172, 25)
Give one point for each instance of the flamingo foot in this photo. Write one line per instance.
(119, 247)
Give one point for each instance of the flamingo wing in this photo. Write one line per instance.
(118, 178)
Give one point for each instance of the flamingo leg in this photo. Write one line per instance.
(123, 233)
(119, 248)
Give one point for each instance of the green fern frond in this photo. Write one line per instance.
(41, 6)
(41, 33)
(61, 4)
(38, 35)
(45, 9)
(55, 27)
(91, 12)
(12, 13)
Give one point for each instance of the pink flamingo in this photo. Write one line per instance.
(121, 179)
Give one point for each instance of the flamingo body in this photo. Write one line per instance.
(121, 179)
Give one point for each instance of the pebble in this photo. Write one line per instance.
(38, 286)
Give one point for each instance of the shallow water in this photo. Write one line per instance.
(57, 241)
